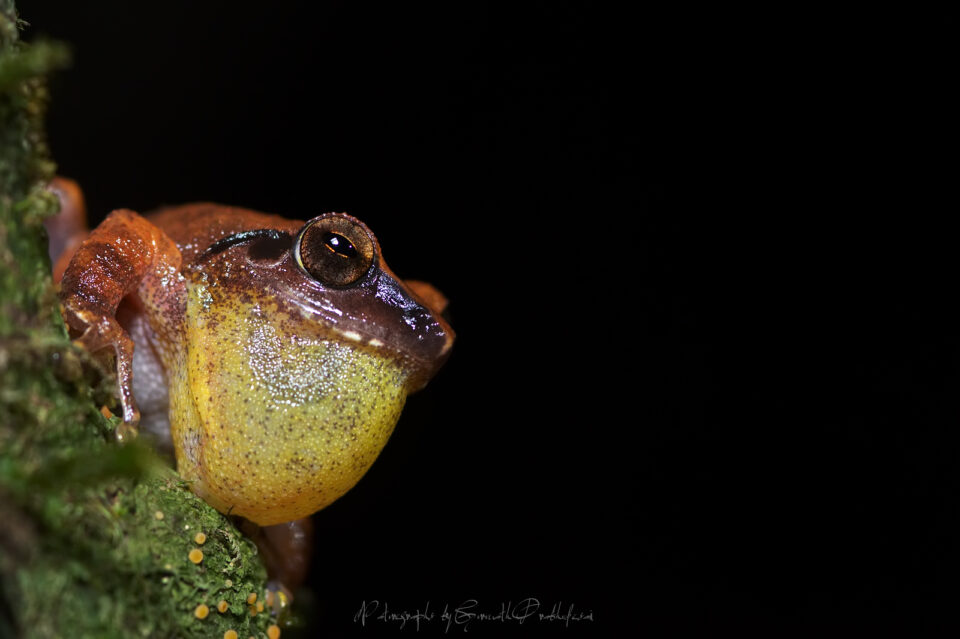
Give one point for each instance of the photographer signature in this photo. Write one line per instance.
(469, 611)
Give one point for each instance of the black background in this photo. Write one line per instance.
(707, 356)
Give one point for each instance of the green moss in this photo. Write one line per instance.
(124, 570)
(82, 550)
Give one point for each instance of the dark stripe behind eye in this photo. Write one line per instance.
(239, 238)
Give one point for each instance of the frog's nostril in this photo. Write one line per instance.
(448, 342)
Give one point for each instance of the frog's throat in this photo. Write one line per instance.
(273, 420)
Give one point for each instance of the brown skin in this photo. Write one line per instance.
(185, 287)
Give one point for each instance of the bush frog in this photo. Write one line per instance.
(278, 352)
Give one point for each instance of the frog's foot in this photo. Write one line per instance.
(279, 598)
(286, 550)
(102, 336)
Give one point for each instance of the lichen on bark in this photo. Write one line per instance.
(95, 537)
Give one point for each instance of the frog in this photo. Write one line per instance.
(273, 355)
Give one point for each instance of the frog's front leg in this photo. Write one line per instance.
(125, 255)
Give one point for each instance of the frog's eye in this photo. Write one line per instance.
(335, 250)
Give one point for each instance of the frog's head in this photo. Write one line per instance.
(364, 300)
(301, 348)
(332, 271)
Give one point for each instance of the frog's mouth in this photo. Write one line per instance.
(384, 316)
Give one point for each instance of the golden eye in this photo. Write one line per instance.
(335, 249)
(339, 245)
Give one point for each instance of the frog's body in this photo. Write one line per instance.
(281, 351)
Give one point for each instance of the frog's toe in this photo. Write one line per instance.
(126, 432)
(279, 597)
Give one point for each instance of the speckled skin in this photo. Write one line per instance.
(283, 419)
(282, 391)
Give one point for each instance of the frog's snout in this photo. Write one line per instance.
(422, 333)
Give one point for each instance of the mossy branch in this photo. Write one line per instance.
(95, 538)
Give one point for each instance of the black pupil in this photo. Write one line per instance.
(339, 244)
